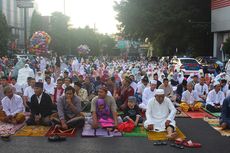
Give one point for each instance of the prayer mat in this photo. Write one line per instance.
(213, 114)
(198, 114)
(9, 129)
(214, 123)
(137, 132)
(88, 131)
(181, 114)
(34, 131)
(57, 131)
(120, 113)
(155, 136)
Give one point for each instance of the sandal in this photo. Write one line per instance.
(188, 144)
(177, 146)
(56, 138)
(5, 137)
(159, 143)
(191, 144)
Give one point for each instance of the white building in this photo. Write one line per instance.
(220, 25)
(15, 19)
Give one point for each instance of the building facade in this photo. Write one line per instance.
(15, 20)
(220, 25)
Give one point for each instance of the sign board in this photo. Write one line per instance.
(25, 4)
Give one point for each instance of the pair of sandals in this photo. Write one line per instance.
(180, 144)
(164, 143)
(56, 138)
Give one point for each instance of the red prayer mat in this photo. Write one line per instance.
(198, 114)
(57, 131)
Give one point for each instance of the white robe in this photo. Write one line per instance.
(157, 114)
(147, 95)
(215, 98)
(23, 74)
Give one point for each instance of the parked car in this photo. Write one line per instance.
(210, 64)
(187, 66)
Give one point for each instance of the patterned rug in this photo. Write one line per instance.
(181, 114)
(9, 129)
(155, 136)
(88, 131)
(214, 114)
(214, 123)
(199, 114)
(34, 131)
(67, 133)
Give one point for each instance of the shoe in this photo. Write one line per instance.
(5, 137)
(56, 138)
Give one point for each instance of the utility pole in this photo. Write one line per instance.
(25, 30)
(25, 4)
(64, 7)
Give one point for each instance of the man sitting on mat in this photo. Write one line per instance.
(69, 110)
(189, 100)
(160, 115)
(110, 102)
(215, 98)
(148, 93)
(41, 107)
(225, 114)
(13, 108)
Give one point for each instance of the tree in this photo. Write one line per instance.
(59, 25)
(4, 34)
(169, 24)
(37, 23)
(226, 47)
(65, 39)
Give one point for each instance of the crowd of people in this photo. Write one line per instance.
(58, 92)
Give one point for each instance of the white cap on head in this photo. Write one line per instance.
(216, 83)
(153, 82)
(159, 92)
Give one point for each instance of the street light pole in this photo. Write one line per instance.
(25, 30)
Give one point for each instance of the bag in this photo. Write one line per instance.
(127, 126)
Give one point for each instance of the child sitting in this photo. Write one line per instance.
(132, 112)
(104, 114)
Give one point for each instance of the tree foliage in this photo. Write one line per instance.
(169, 24)
(66, 39)
(4, 34)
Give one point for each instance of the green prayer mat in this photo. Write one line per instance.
(137, 132)
(120, 113)
(213, 114)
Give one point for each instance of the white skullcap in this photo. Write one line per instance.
(216, 83)
(153, 82)
(159, 92)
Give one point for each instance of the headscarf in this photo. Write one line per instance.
(102, 113)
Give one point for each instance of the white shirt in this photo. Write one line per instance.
(13, 106)
(39, 98)
(225, 89)
(140, 88)
(189, 97)
(17, 87)
(49, 88)
(29, 92)
(201, 89)
(157, 113)
(215, 98)
(147, 95)
(134, 86)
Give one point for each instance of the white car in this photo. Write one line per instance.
(187, 66)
